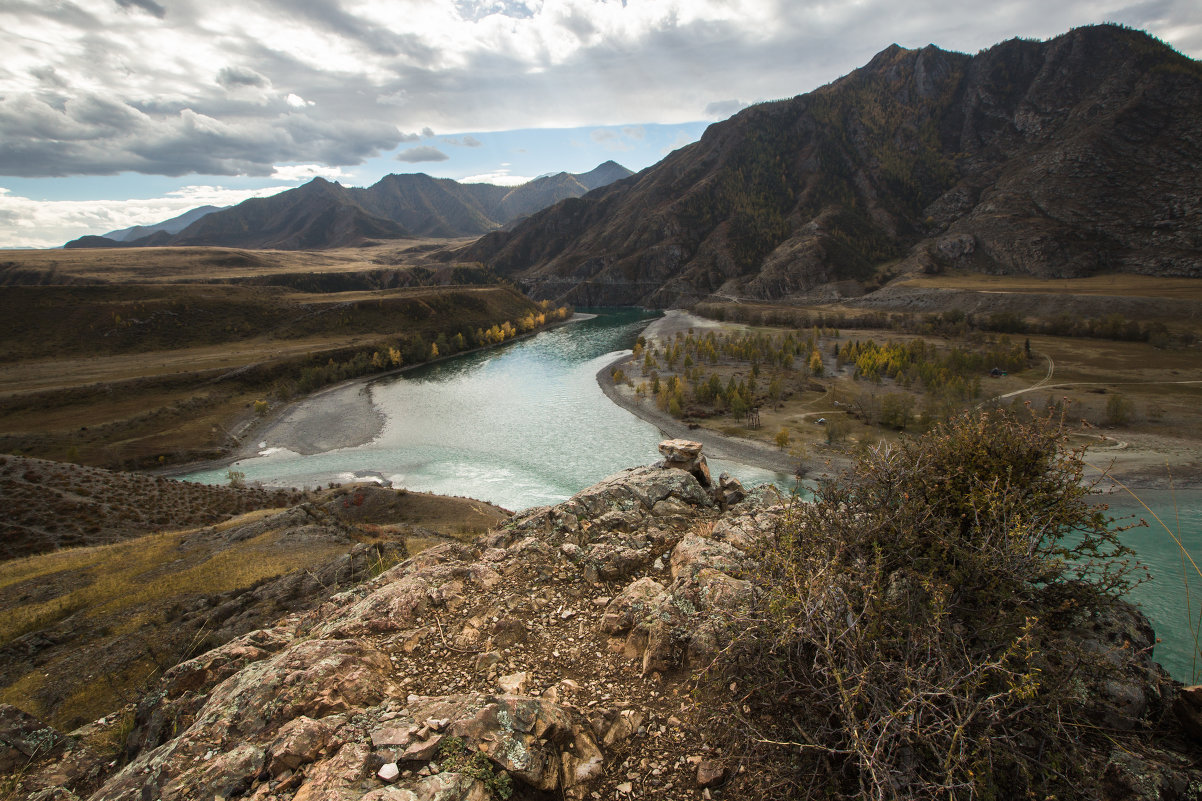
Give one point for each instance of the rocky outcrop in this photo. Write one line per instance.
(550, 658)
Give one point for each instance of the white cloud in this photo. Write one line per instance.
(362, 71)
(501, 178)
(29, 223)
(305, 172)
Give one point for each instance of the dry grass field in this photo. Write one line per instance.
(174, 265)
(133, 358)
(1112, 285)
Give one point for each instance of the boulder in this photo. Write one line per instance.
(300, 741)
(24, 738)
(685, 454)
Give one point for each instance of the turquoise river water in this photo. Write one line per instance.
(526, 424)
(521, 425)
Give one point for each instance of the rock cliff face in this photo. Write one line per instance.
(1062, 158)
(550, 659)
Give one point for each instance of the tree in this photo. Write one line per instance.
(782, 438)
(1118, 410)
(815, 362)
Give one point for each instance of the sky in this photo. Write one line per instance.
(122, 112)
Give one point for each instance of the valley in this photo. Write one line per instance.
(147, 358)
(898, 327)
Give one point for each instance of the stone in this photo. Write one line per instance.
(680, 450)
(514, 683)
(694, 553)
(388, 772)
(422, 750)
(224, 775)
(685, 454)
(710, 773)
(1187, 707)
(391, 736)
(730, 490)
(547, 746)
(299, 741)
(313, 678)
(24, 738)
(335, 779)
(633, 603)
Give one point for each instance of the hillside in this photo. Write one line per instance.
(171, 226)
(322, 214)
(53, 505)
(130, 375)
(171, 569)
(565, 654)
(1064, 158)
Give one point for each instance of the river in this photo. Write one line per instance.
(521, 425)
(526, 424)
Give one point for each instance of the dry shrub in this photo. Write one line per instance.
(907, 641)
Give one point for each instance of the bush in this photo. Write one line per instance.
(908, 637)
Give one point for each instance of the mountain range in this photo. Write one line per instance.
(322, 214)
(1063, 158)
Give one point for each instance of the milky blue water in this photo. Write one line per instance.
(1176, 587)
(519, 426)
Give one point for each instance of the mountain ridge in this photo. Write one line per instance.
(1062, 158)
(324, 214)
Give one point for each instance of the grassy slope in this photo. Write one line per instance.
(84, 629)
(124, 374)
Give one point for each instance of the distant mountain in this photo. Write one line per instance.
(1068, 157)
(322, 214)
(172, 226)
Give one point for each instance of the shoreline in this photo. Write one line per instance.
(714, 444)
(351, 421)
(342, 415)
(1122, 459)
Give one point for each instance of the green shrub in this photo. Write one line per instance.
(454, 756)
(907, 641)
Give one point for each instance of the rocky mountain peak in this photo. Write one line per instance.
(1060, 158)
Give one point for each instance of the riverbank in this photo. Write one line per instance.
(715, 444)
(1138, 460)
(338, 416)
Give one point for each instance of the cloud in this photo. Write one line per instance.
(721, 109)
(29, 223)
(415, 155)
(91, 134)
(234, 77)
(618, 139)
(304, 172)
(149, 6)
(500, 177)
(92, 87)
(465, 141)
